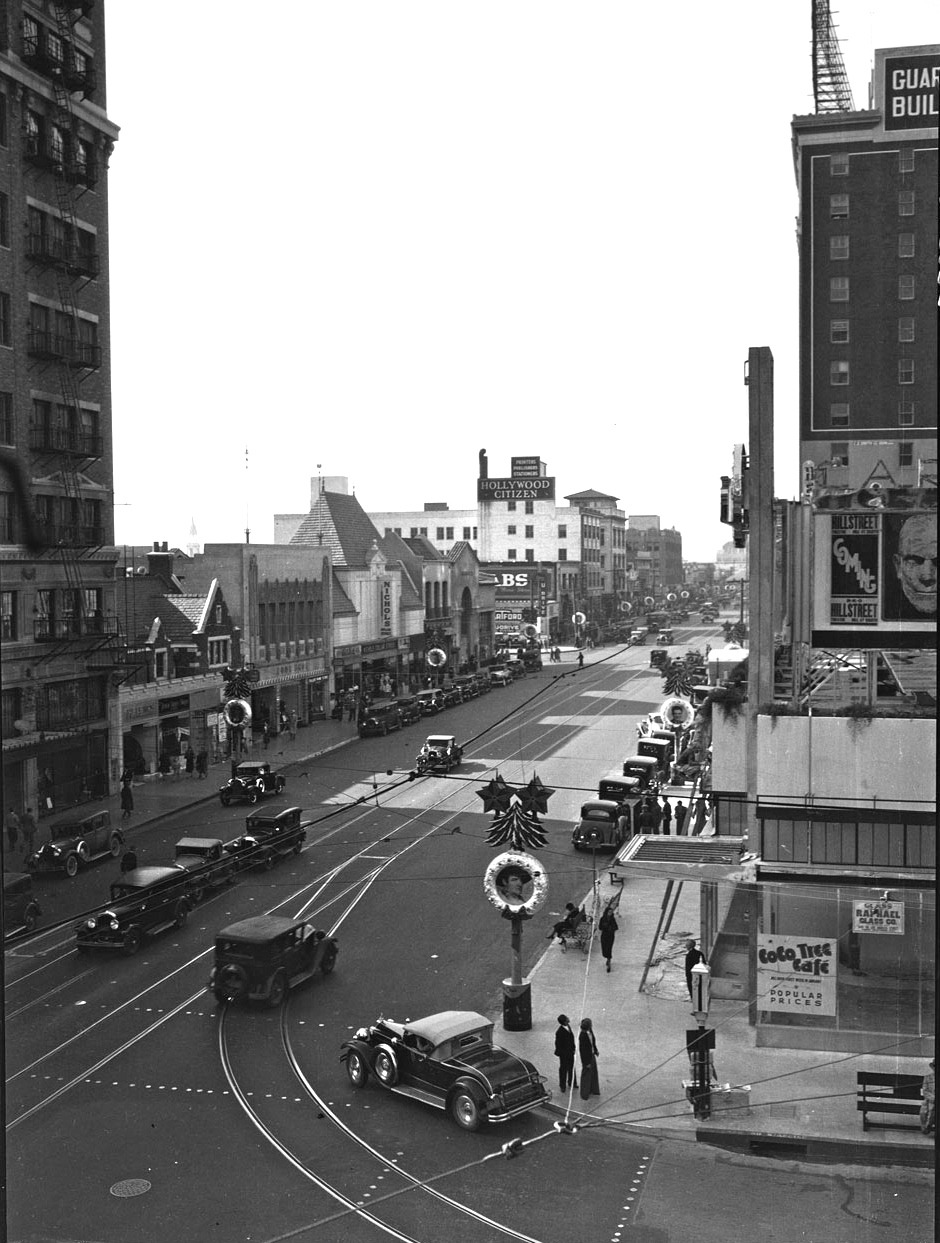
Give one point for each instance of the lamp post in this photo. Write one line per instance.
(700, 1043)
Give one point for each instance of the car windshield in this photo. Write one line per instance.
(250, 770)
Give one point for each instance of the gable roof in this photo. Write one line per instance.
(338, 522)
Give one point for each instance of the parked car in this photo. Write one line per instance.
(260, 958)
(20, 908)
(76, 842)
(145, 901)
(409, 710)
(447, 1060)
(432, 701)
(268, 838)
(250, 781)
(646, 770)
(500, 675)
(439, 754)
(468, 685)
(532, 659)
(482, 679)
(602, 825)
(660, 749)
(452, 694)
(379, 718)
(515, 666)
(209, 864)
(659, 658)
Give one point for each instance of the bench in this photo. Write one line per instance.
(888, 1094)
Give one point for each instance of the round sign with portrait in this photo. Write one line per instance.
(677, 712)
(578, 619)
(516, 884)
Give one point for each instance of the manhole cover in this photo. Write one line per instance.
(130, 1187)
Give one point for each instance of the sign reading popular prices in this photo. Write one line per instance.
(871, 915)
(796, 975)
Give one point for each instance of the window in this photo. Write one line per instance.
(159, 663)
(839, 372)
(6, 418)
(511, 529)
(512, 554)
(905, 371)
(838, 207)
(906, 412)
(414, 532)
(839, 164)
(905, 453)
(4, 219)
(839, 414)
(440, 533)
(3, 119)
(905, 245)
(530, 532)
(906, 288)
(450, 533)
(530, 554)
(218, 651)
(839, 452)
(906, 161)
(474, 532)
(511, 506)
(6, 326)
(466, 532)
(422, 530)
(906, 328)
(530, 507)
(562, 530)
(905, 202)
(8, 623)
(839, 246)
(562, 554)
(838, 289)
(30, 36)
(839, 331)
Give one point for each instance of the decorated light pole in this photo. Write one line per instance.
(515, 882)
(237, 707)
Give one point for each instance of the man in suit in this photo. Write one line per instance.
(564, 1051)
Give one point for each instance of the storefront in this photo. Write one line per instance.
(158, 729)
(378, 669)
(294, 690)
(57, 769)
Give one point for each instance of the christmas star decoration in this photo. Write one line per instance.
(534, 797)
(496, 796)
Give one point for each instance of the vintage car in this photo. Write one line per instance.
(20, 908)
(268, 837)
(447, 1060)
(500, 675)
(260, 958)
(74, 843)
(482, 679)
(209, 864)
(452, 695)
(250, 780)
(469, 689)
(432, 701)
(638, 636)
(409, 709)
(659, 658)
(439, 754)
(532, 659)
(644, 768)
(379, 718)
(603, 825)
(659, 749)
(145, 901)
(664, 638)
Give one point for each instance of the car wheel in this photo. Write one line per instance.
(181, 914)
(198, 895)
(465, 1110)
(225, 799)
(279, 787)
(329, 962)
(83, 852)
(385, 1067)
(71, 865)
(132, 941)
(268, 862)
(356, 1069)
(252, 797)
(115, 846)
(29, 919)
(220, 997)
(278, 990)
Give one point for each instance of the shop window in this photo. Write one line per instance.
(8, 618)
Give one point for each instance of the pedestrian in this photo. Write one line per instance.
(587, 1048)
(648, 820)
(564, 1051)
(928, 1110)
(681, 812)
(293, 725)
(28, 829)
(12, 823)
(202, 763)
(608, 926)
(127, 800)
(190, 761)
(580, 660)
(351, 706)
(667, 815)
(693, 956)
(265, 735)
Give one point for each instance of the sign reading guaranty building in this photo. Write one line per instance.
(910, 91)
(796, 975)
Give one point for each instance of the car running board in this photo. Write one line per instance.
(419, 1094)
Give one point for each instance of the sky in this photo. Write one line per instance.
(369, 239)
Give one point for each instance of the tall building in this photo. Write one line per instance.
(867, 232)
(57, 562)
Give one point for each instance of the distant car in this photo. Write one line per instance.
(268, 837)
(452, 694)
(379, 718)
(468, 685)
(250, 781)
(602, 825)
(145, 901)
(260, 958)
(447, 1060)
(500, 675)
(20, 908)
(75, 843)
(439, 754)
(207, 861)
(482, 679)
(515, 666)
(409, 709)
(532, 659)
(432, 702)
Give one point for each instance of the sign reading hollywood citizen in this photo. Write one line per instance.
(519, 489)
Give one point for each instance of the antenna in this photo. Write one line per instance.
(247, 494)
(831, 89)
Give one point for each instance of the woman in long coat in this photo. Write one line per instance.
(608, 927)
(587, 1048)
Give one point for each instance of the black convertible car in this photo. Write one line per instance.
(447, 1060)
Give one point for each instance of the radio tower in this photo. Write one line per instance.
(831, 88)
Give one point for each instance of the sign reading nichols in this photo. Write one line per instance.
(516, 489)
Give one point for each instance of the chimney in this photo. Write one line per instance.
(160, 564)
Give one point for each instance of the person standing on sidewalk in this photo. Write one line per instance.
(127, 800)
(587, 1048)
(28, 829)
(564, 1051)
(928, 1110)
(693, 956)
(681, 812)
(667, 815)
(190, 761)
(12, 824)
(608, 926)
(202, 763)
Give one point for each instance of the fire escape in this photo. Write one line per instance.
(70, 522)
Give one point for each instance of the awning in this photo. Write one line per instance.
(684, 858)
(915, 672)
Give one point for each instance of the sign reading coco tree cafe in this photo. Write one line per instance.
(796, 975)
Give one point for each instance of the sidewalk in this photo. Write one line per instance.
(801, 1104)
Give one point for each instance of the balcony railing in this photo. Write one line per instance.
(72, 534)
(62, 440)
(53, 347)
(66, 629)
(59, 252)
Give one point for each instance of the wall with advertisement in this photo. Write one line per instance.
(875, 578)
(520, 587)
(796, 975)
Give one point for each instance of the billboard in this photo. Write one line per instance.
(526, 467)
(519, 488)
(875, 578)
(796, 975)
(910, 91)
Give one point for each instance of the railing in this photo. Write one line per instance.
(62, 440)
(52, 346)
(72, 534)
(60, 252)
(63, 629)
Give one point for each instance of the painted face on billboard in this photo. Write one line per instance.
(513, 884)
(915, 563)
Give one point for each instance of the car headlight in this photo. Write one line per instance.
(90, 925)
(55, 850)
(113, 925)
(362, 1033)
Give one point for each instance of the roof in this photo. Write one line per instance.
(684, 858)
(591, 494)
(197, 843)
(258, 928)
(338, 522)
(449, 1023)
(140, 878)
(915, 670)
(434, 739)
(422, 547)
